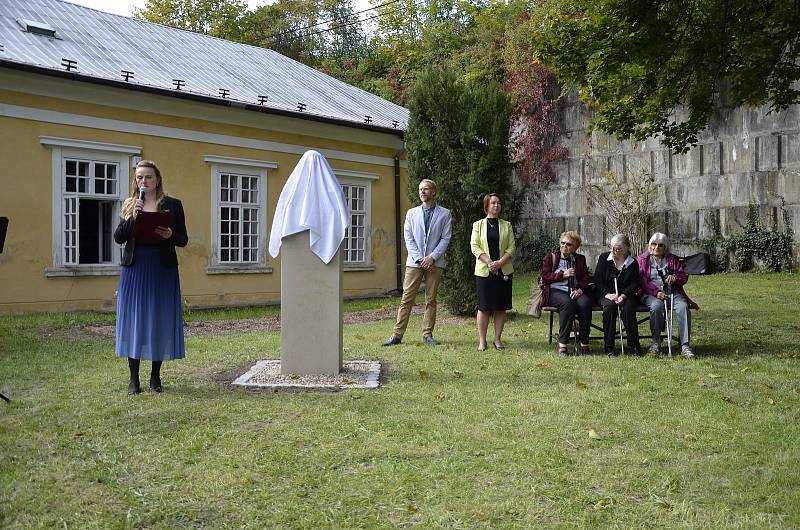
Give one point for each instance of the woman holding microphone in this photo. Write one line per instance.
(149, 310)
(566, 281)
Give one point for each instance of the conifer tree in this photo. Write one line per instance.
(458, 137)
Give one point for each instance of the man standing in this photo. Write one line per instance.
(427, 234)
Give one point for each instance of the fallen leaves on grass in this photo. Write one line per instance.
(424, 375)
(727, 398)
(603, 504)
(593, 434)
(581, 385)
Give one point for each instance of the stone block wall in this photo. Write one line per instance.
(745, 156)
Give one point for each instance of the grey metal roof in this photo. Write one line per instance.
(103, 45)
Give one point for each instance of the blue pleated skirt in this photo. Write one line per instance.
(149, 312)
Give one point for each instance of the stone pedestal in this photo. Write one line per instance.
(311, 309)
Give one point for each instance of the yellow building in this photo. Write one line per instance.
(84, 95)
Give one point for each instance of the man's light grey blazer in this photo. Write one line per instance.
(434, 243)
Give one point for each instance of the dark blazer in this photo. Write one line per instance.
(548, 276)
(605, 272)
(167, 247)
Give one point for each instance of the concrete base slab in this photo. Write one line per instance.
(266, 375)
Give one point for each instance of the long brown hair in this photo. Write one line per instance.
(127, 207)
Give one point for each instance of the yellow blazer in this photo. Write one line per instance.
(480, 245)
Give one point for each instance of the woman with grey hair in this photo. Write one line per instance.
(660, 273)
(620, 296)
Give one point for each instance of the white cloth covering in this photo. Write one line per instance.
(312, 199)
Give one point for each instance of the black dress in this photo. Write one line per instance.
(494, 292)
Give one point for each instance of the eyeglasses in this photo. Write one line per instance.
(657, 244)
(566, 243)
(617, 249)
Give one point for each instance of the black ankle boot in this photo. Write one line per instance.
(155, 377)
(133, 386)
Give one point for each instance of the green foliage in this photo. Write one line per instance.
(637, 62)
(458, 137)
(219, 18)
(755, 247)
(771, 247)
(531, 249)
(416, 35)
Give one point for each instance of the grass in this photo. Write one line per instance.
(454, 438)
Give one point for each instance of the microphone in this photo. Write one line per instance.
(141, 193)
(571, 280)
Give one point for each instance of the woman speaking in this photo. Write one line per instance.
(149, 317)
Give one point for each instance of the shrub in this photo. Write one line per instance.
(458, 136)
(531, 249)
(756, 243)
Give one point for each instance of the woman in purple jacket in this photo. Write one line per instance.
(660, 272)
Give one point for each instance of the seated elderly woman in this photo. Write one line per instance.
(566, 281)
(616, 280)
(661, 273)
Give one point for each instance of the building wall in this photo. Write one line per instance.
(178, 135)
(745, 156)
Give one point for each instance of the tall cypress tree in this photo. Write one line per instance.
(458, 136)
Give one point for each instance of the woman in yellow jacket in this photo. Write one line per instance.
(492, 243)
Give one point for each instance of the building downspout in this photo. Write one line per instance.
(398, 231)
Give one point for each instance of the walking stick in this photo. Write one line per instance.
(671, 307)
(668, 311)
(619, 317)
(669, 338)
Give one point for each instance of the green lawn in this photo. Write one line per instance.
(453, 438)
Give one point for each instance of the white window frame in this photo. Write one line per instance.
(239, 166)
(70, 148)
(365, 180)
